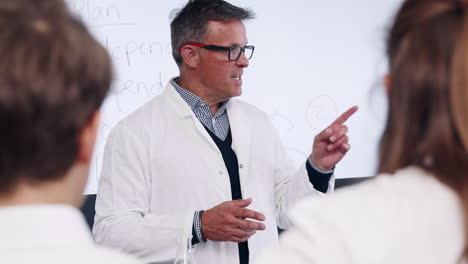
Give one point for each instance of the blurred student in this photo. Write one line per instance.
(416, 210)
(53, 79)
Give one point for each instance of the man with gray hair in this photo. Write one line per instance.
(182, 166)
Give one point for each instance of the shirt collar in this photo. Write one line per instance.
(194, 101)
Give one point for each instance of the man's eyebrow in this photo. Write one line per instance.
(240, 45)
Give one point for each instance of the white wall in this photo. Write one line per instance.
(313, 60)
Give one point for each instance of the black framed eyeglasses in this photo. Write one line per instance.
(234, 51)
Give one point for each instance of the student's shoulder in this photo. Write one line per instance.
(95, 254)
(383, 203)
(77, 255)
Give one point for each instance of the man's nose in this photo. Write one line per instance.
(242, 61)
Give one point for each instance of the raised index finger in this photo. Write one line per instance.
(343, 117)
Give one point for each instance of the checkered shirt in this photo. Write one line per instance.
(218, 124)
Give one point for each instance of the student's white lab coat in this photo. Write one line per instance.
(409, 217)
(50, 234)
(160, 165)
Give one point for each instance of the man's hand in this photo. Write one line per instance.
(331, 144)
(228, 221)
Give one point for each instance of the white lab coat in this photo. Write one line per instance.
(50, 234)
(160, 165)
(409, 217)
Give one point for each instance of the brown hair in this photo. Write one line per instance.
(53, 78)
(427, 124)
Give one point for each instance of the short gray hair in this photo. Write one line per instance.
(189, 23)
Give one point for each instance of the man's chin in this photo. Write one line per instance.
(237, 92)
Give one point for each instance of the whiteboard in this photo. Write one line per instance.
(313, 60)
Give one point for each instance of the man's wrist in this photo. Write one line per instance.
(318, 169)
(319, 179)
(197, 224)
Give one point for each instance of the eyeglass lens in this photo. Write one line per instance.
(236, 51)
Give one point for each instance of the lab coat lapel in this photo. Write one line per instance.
(184, 112)
(241, 137)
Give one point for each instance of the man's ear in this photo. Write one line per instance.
(387, 83)
(87, 139)
(190, 55)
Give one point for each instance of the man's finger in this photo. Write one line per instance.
(250, 225)
(324, 135)
(238, 239)
(247, 213)
(240, 203)
(345, 148)
(339, 134)
(340, 143)
(237, 232)
(343, 117)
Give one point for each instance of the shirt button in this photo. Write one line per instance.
(241, 166)
(220, 172)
